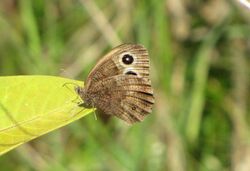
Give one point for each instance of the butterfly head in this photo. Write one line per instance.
(84, 96)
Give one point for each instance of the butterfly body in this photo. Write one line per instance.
(119, 84)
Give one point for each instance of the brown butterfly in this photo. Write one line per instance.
(119, 84)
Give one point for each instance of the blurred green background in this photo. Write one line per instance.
(200, 63)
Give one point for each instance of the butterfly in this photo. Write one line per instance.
(119, 84)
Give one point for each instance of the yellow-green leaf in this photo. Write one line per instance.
(31, 106)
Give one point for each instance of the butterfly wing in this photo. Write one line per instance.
(116, 62)
(128, 97)
(119, 84)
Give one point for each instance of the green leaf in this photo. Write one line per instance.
(31, 106)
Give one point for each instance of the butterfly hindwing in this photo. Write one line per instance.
(128, 97)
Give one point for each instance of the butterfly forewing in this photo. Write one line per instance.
(113, 64)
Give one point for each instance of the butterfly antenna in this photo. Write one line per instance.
(66, 85)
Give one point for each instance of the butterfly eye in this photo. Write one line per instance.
(130, 73)
(127, 59)
(77, 90)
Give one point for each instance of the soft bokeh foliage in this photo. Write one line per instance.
(199, 54)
